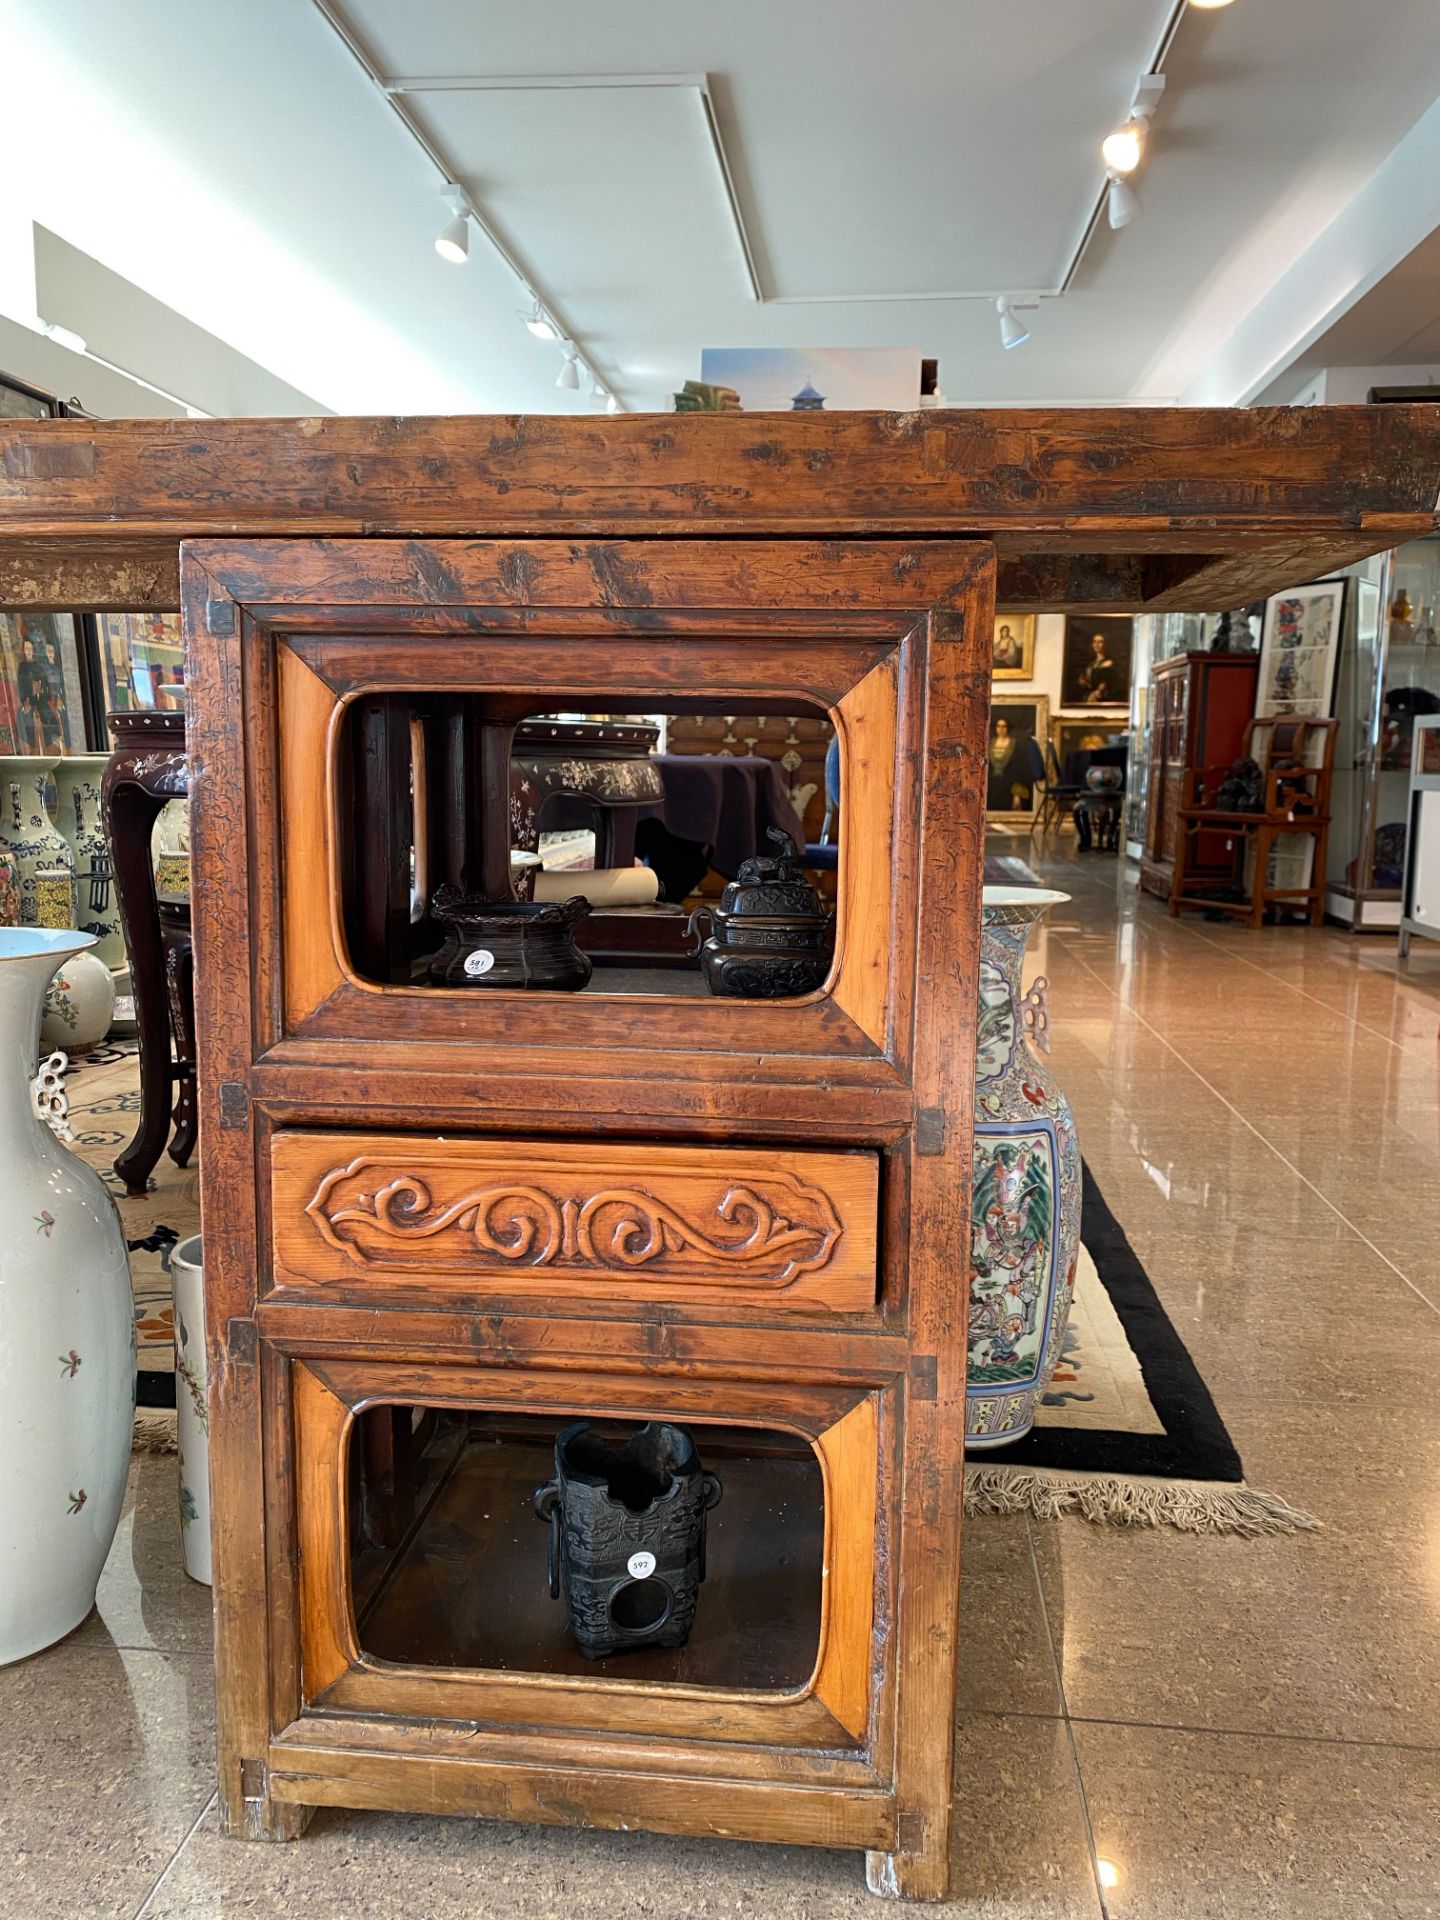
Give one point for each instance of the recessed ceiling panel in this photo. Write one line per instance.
(602, 191)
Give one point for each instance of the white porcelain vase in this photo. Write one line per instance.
(28, 840)
(81, 822)
(67, 1347)
(79, 1004)
(1025, 1196)
(192, 1416)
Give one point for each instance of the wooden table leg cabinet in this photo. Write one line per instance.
(513, 1210)
(439, 1223)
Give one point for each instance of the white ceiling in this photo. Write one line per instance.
(232, 159)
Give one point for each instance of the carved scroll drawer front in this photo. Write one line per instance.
(776, 1227)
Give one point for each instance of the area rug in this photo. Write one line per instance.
(1128, 1434)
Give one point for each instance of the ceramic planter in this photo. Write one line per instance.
(82, 826)
(29, 843)
(79, 1004)
(67, 1352)
(187, 1274)
(1025, 1206)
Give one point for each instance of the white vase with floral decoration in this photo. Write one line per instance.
(67, 1347)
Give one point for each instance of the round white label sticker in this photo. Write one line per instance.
(478, 962)
(641, 1565)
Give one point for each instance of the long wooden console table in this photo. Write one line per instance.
(394, 1175)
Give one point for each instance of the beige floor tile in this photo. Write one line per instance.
(1006, 1665)
(1326, 1635)
(1020, 1851)
(106, 1762)
(1199, 1826)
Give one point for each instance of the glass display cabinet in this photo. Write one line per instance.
(1422, 864)
(1389, 677)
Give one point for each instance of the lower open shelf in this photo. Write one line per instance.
(464, 1582)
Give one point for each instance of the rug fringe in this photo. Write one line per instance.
(1194, 1506)
(155, 1431)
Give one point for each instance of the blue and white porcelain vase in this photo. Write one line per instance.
(82, 827)
(67, 1343)
(1025, 1200)
(28, 840)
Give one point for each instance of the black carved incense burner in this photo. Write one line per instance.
(509, 943)
(627, 1535)
(770, 937)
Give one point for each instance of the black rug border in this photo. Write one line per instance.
(154, 1387)
(1196, 1444)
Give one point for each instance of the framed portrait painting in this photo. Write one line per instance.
(1300, 650)
(1012, 654)
(1095, 666)
(42, 702)
(1019, 728)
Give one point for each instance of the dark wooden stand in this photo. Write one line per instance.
(147, 769)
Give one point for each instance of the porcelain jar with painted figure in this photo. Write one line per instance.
(29, 843)
(67, 1344)
(1025, 1204)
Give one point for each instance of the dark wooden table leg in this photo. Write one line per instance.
(146, 770)
(180, 994)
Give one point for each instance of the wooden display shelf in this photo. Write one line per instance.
(468, 1587)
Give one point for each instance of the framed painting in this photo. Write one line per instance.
(1300, 650)
(1019, 728)
(1013, 650)
(42, 702)
(1070, 735)
(20, 401)
(1095, 666)
(142, 659)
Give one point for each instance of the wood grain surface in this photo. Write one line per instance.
(1118, 508)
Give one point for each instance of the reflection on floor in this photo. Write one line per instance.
(1151, 1725)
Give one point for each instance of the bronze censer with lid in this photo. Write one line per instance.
(771, 935)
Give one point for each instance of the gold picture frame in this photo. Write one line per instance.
(1015, 779)
(1013, 643)
(1069, 731)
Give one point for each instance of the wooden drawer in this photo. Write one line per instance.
(774, 1227)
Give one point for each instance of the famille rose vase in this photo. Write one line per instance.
(67, 1351)
(1025, 1206)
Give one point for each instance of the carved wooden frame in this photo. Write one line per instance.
(360, 1215)
(837, 1708)
(867, 613)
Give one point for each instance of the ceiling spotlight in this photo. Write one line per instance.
(1210, 6)
(63, 336)
(1013, 332)
(1121, 150)
(540, 323)
(452, 243)
(1124, 203)
(569, 374)
(612, 405)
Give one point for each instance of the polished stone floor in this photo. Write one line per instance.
(1151, 1725)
